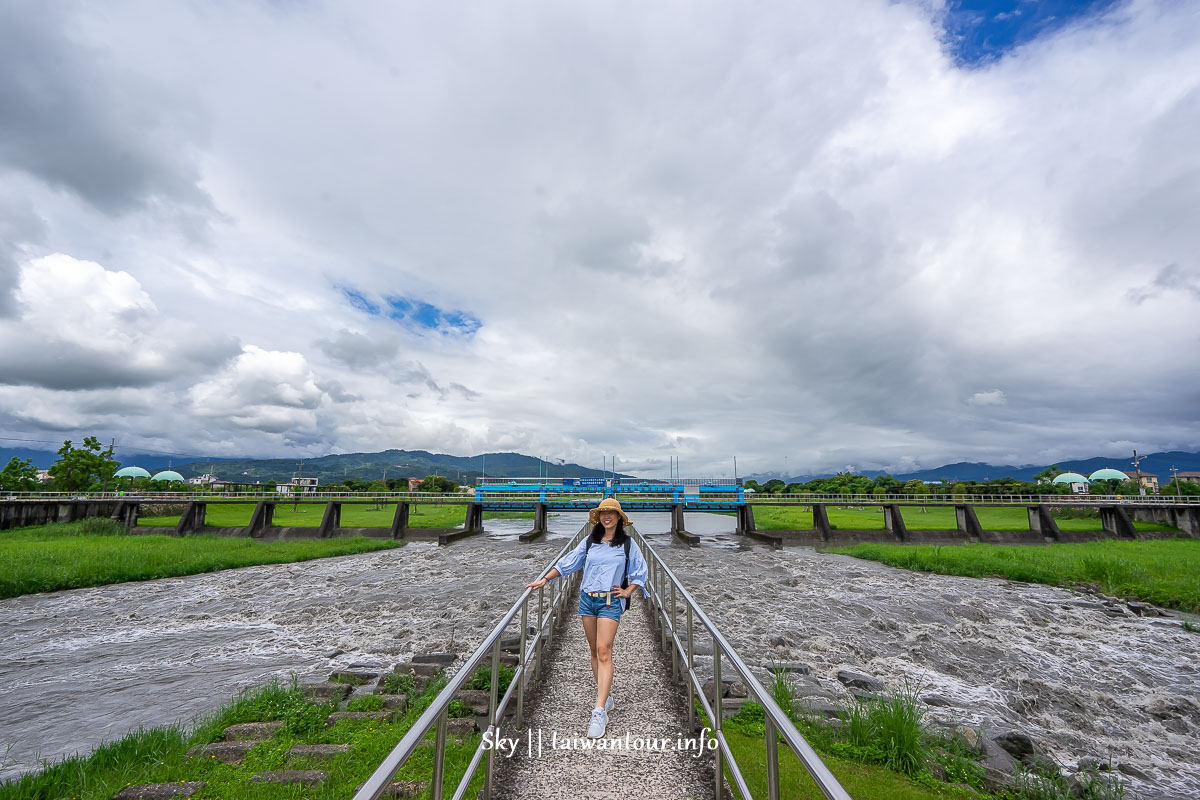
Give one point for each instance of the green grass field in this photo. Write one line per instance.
(1165, 572)
(159, 755)
(237, 515)
(96, 552)
(935, 518)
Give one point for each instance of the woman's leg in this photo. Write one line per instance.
(606, 631)
(589, 630)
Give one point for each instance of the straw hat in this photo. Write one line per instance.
(607, 504)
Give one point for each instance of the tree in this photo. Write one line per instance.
(773, 486)
(78, 468)
(19, 475)
(751, 484)
(437, 483)
(1048, 474)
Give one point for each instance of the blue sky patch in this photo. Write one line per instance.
(360, 302)
(981, 31)
(423, 316)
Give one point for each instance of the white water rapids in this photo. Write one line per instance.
(87, 665)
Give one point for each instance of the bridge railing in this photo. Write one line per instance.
(666, 592)
(553, 601)
(805, 498)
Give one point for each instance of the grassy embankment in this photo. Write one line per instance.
(159, 755)
(1165, 572)
(882, 748)
(237, 515)
(935, 518)
(95, 552)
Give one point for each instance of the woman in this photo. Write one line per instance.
(601, 598)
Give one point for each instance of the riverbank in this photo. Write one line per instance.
(96, 552)
(1085, 681)
(1165, 572)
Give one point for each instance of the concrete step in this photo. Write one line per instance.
(256, 731)
(325, 751)
(327, 692)
(292, 777)
(227, 752)
(159, 791)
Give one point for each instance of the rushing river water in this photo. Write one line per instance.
(87, 665)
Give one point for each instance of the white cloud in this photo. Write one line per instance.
(993, 398)
(801, 232)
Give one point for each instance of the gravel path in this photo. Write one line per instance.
(647, 708)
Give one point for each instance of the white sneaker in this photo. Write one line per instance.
(599, 721)
(608, 704)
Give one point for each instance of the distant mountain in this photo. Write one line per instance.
(393, 463)
(1159, 464)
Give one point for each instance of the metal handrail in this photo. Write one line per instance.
(778, 724)
(631, 497)
(435, 716)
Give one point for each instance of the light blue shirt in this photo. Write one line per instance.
(603, 566)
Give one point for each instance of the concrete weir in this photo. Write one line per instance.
(1116, 523)
(262, 525)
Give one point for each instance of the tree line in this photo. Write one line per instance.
(884, 485)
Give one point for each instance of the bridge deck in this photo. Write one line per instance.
(647, 705)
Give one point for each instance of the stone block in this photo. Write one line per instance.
(326, 751)
(327, 692)
(460, 726)
(478, 700)
(257, 731)
(353, 677)
(159, 791)
(292, 777)
(395, 702)
(859, 681)
(445, 659)
(227, 752)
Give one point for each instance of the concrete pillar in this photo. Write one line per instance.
(677, 525)
(1186, 520)
(968, 522)
(745, 519)
(400, 521)
(192, 518)
(894, 522)
(331, 520)
(1116, 521)
(261, 520)
(821, 521)
(474, 519)
(539, 517)
(1042, 521)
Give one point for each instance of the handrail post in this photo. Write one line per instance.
(524, 664)
(690, 665)
(493, 722)
(716, 721)
(674, 635)
(439, 757)
(772, 760)
(537, 670)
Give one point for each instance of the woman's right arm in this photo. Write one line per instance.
(539, 583)
(565, 566)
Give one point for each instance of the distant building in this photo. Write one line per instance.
(1149, 480)
(298, 486)
(1190, 477)
(414, 484)
(211, 481)
(45, 477)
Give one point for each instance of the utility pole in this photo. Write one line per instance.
(1137, 471)
(111, 445)
(1175, 477)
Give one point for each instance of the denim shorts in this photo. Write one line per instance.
(594, 607)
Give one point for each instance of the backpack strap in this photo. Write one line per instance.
(625, 577)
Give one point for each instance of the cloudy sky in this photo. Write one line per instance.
(806, 234)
